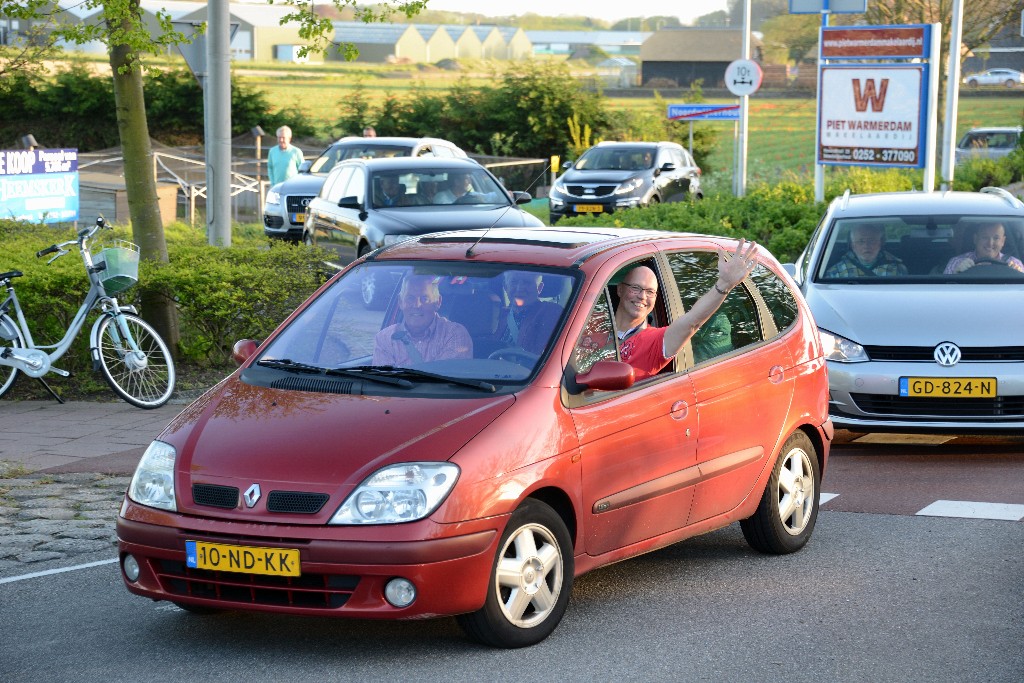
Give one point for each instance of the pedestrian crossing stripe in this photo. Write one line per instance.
(973, 510)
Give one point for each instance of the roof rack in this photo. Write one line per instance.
(1005, 194)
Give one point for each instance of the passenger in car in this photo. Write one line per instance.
(423, 335)
(989, 239)
(530, 321)
(865, 257)
(649, 349)
(459, 184)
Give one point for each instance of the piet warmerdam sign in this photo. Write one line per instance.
(39, 185)
(873, 96)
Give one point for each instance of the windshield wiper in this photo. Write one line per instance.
(295, 366)
(289, 364)
(394, 371)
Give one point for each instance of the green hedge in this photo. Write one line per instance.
(222, 294)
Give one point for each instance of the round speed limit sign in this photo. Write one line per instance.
(743, 77)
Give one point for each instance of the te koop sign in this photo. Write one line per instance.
(39, 185)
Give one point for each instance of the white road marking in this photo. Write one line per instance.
(826, 497)
(905, 439)
(973, 510)
(50, 572)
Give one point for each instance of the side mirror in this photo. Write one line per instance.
(304, 166)
(566, 165)
(607, 375)
(243, 350)
(522, 197)
(349, 203)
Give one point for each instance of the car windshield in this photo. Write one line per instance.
(487, 322)
(356, 150)
(436, 187)
(910, 249)
(616, 159)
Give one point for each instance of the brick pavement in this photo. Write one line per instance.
(63, 472)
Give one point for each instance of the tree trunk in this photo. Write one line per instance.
(158, 308)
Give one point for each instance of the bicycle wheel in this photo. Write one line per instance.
(7, 373)
(144, 378)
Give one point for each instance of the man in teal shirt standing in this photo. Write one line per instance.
(283, 160)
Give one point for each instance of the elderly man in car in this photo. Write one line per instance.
(423, 335)
(866, 258)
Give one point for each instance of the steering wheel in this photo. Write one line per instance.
(991, 266)
(510, 352)
(470, 198)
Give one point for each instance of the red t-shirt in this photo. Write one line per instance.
(644, 350)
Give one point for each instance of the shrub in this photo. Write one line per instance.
(222, 295)
(975, 174)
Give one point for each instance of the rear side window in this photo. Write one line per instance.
(735, 325)
(777, 296)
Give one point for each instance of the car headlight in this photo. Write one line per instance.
(395, 239)
(399, 493)
(842, 350)
(273, 197)
(558, 187)
(153, 482)
(630, 186)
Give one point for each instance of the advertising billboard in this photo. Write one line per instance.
(39, 185)
(873, 115)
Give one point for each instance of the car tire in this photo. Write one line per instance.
(1010, 83)
(973, 83)
(788, 509)
(531, 580)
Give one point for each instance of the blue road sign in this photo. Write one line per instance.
(704, 112)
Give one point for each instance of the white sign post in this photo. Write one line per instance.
(743, 78)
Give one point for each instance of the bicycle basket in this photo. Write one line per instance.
(122, 271)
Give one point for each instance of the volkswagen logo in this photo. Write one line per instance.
(947, 354)
(251, 495)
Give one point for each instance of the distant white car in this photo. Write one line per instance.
(1011, 78)
(987, 143)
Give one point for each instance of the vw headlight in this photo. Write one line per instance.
(399, 493)
(630, 186)
(153, 482)
(273, 197)
(842, 350)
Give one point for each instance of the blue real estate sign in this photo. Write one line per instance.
(39, 185)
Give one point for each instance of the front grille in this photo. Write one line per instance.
(298, 502)
(599, 190)
(952, 410)
(273, 221)
(297, 204)
(314, 591)
(969, 354)
(215, 496)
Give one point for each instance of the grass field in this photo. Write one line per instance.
(781, 131)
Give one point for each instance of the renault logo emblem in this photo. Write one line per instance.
(947, 354)
(252, 495)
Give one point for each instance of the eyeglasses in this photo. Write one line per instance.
(638, 290)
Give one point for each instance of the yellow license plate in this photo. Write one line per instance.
(298, 218)
(941, 387)
(589, 208)
(241, 558)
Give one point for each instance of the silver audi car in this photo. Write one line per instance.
(919, 298)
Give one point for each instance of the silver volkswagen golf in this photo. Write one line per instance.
(919, 298)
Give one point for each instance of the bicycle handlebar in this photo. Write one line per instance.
(83, 234)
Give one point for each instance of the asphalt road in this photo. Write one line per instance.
(896, 596)
(871, 598)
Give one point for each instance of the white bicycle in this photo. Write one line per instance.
(131, 355)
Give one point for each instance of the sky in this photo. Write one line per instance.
(609, 10)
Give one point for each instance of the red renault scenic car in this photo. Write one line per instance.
(355, 466)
